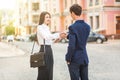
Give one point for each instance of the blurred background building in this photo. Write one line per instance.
(102, 15)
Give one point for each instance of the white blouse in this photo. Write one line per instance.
(43, 32)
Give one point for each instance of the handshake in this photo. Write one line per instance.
(62, 36)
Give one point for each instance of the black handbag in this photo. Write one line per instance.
(37, 59)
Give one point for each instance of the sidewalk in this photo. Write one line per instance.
(8, 50)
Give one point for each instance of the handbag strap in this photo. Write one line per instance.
(34, 45)
(44, 44)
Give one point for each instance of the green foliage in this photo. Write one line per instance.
(10, 29)
(0, 18)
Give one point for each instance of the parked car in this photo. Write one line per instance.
(96, 37)
(4, 37)
(93, 37)
(10, 38)
(23, 38)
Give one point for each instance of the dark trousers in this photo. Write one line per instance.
(46, 73)
(78, 72)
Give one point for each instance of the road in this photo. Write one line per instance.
(104, 62)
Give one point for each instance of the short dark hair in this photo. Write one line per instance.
(42, 17)
(77, 9)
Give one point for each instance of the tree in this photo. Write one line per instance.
(0, 21)
(8, 23)
(0, 25)
(10, 29)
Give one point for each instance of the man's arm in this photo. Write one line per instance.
(71, 46)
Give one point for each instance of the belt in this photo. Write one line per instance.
(46, 45)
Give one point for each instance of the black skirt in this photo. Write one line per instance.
(46, 73)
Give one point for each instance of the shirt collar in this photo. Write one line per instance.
(81, 21)
(45, 26)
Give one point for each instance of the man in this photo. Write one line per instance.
(76, 57)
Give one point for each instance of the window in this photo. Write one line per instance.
(20, 21)
(91, 3)
(54, 10)
(35, 6)
(97, 22)
(26, 5)
(65, 4)
(46, 7)
(118, 22)
(117, 0)
(35, 18)
(91, 21)
(75, 1)
(71, 2)
(26, 17)
(96, 2)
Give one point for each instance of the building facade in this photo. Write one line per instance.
(102, 15)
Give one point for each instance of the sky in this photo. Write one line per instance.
(7, 4)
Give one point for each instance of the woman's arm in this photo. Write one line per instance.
(46, 34)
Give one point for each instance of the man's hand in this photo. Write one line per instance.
(63, 35)
(68, 63)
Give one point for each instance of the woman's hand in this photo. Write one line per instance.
(63, 35)
(57, 40)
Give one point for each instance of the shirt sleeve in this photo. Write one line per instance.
(71, 46)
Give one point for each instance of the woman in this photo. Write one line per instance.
(43, 32)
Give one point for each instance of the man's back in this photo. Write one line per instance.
(76, 56)
(81, 31)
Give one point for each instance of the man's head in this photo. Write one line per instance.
(75, 10)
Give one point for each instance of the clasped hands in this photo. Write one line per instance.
(62, 36)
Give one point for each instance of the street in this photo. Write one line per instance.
(104, 62)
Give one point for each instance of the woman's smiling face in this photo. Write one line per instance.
(47, 19)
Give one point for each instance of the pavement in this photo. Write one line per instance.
(104, 61)
(8, 50)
